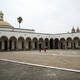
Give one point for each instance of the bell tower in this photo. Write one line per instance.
(1, 16)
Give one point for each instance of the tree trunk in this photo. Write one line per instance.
(19, 25)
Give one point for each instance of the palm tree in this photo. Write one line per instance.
(19, 19)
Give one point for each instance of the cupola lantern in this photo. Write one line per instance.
(1, 16)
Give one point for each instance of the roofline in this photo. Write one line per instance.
(11, 27)
(36, 32)
(25, 29)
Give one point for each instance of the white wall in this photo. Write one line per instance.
(18, 34)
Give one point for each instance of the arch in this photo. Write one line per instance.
(69, 43)
(12, 43)
(69, 38)
(76, 38)
(4, 37)
(41, 43)
(28, 43)
(35, 43)
(56, 43)
(4, 43)
(20, 43)
(76, 42)
(51, 43)
(62, 43)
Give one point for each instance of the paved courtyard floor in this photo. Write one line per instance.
(11, 70)
(17, 71)
(57, 58)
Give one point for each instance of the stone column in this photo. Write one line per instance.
(38, 44)
(43, 44)
(48, 44)
(8, 45)
(65, 44)
(13, 46)
(17, 45)
(58, 44)
(31, 45)
(2, 44)
(72, 44)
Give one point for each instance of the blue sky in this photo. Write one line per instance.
(45, 16)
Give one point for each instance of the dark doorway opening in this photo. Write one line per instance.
(51, 43)
(39, 46)
(74, 46)
(5, 45)
(47, 44)
(29, 45)
(61, 45)
(0, 45)
(35, 45)
(56, 43)
(22, 45)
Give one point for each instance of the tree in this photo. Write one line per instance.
(19, 19)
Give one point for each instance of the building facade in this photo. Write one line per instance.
(27, 39)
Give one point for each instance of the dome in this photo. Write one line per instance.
(5, 24)
(2, 22)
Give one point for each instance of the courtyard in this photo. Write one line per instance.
(57, 58)
(35, 65)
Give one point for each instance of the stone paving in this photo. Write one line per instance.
(16, 71)
(57, 58)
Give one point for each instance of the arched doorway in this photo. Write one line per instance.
(51, 43)
(41, 43)
(62, 43)
(56, 43)
(76, 43)
(4, 43)
(35, 43)
(21, 43)
(47, 43)
(69, 43)
(12, 43)
(28, 43)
